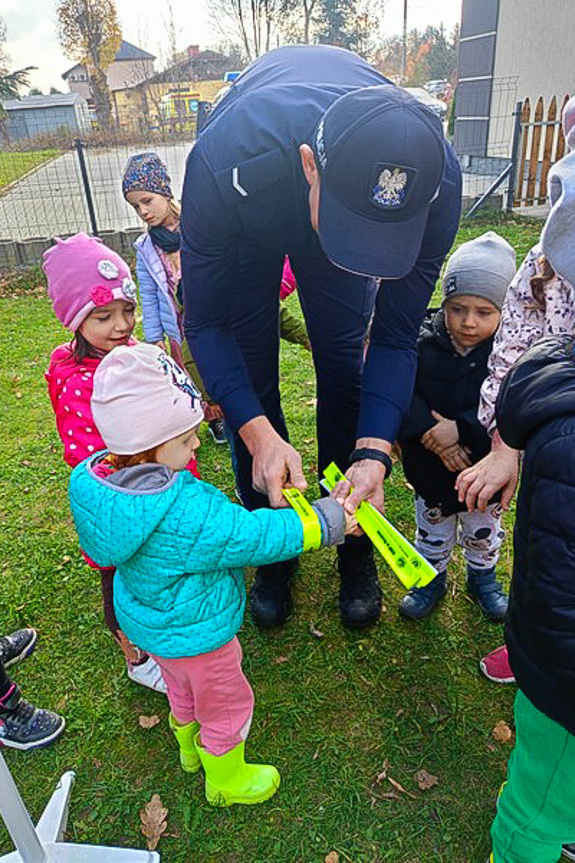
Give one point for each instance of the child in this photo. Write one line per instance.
(93, 295)
(441, 434)
(22, 726)
(146, 186)
(536, 413)
(539, 302)
(179, 546)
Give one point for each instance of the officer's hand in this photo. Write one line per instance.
(366, 477)
(499, 470)
(276, 464)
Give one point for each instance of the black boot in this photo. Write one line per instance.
(359, 593)
(270, 595)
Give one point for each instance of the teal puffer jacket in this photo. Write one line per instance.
(179, 547)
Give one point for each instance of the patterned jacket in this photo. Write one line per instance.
(524, 322)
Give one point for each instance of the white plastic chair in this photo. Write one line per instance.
(45, 843)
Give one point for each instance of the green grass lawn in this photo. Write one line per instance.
(331, 711)
(15, 165)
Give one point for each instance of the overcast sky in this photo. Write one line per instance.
(32, 34)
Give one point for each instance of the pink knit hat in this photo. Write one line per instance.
(83, 273)
(142, 399)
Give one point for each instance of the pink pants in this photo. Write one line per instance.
(211, 689)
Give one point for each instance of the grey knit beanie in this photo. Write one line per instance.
(483, 267)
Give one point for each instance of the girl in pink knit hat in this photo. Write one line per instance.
(94, 296)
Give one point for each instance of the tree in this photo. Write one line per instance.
(430, 55)
(10, 82)
(90, 34)
(350, 24)
(252, 23)
(55, 92)
(35, 91)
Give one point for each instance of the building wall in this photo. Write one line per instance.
(128, 73)
(475, 74)
(31, 122)
(533, 45)
(120, 74)
(137, 108)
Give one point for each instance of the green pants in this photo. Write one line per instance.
(536, 813)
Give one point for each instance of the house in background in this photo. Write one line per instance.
(509, 50)
(63, 114)
(130, 67)
(169, 100)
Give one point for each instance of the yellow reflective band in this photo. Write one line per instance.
(308, 517)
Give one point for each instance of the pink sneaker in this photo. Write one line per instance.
(495, 666)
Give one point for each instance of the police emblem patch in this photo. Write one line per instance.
(390, 189)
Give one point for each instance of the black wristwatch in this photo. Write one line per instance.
(365, 452)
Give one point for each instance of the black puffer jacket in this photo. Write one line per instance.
(536, 412)
(449, 384)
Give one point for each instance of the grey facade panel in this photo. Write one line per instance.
(470, 137)
(479, 17)
(474, 98)
(476, 57)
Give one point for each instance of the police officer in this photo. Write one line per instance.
(316, 155)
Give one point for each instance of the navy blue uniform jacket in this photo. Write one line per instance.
(244, 185)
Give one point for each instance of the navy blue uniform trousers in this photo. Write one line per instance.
(337, 307)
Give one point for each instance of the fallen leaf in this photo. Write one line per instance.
(490, 747)
(332, 857)
(401, 788)
(383, 775)
(502, 732)
(385, 795)
(425, 780)
(153, 818)
(316, 632)
(311, 402)
(279, 660)
(26, 463)
(149, 721)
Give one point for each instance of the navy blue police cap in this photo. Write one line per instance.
(380, 154)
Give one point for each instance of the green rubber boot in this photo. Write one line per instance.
(185, 735)
(230, 780)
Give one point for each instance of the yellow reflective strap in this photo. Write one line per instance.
(412, 569)
(308, 517)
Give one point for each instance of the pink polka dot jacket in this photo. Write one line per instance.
(70, 385)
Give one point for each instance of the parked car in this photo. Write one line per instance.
(438, 87)
(437, 106)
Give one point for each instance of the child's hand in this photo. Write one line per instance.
(160, 344)
(455, 458)
(351, 525)
(444, 434)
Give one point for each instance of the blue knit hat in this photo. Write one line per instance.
(146, 172)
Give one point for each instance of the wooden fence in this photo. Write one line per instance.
(541, 143)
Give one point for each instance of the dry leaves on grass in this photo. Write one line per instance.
(332, 857)
(384, 776)
(317, 633)
(149, 721)
(153, 817)
(502, 732)
(280, 660)
(425, 780)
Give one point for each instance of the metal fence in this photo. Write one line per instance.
(58, 184)
(486, 177)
